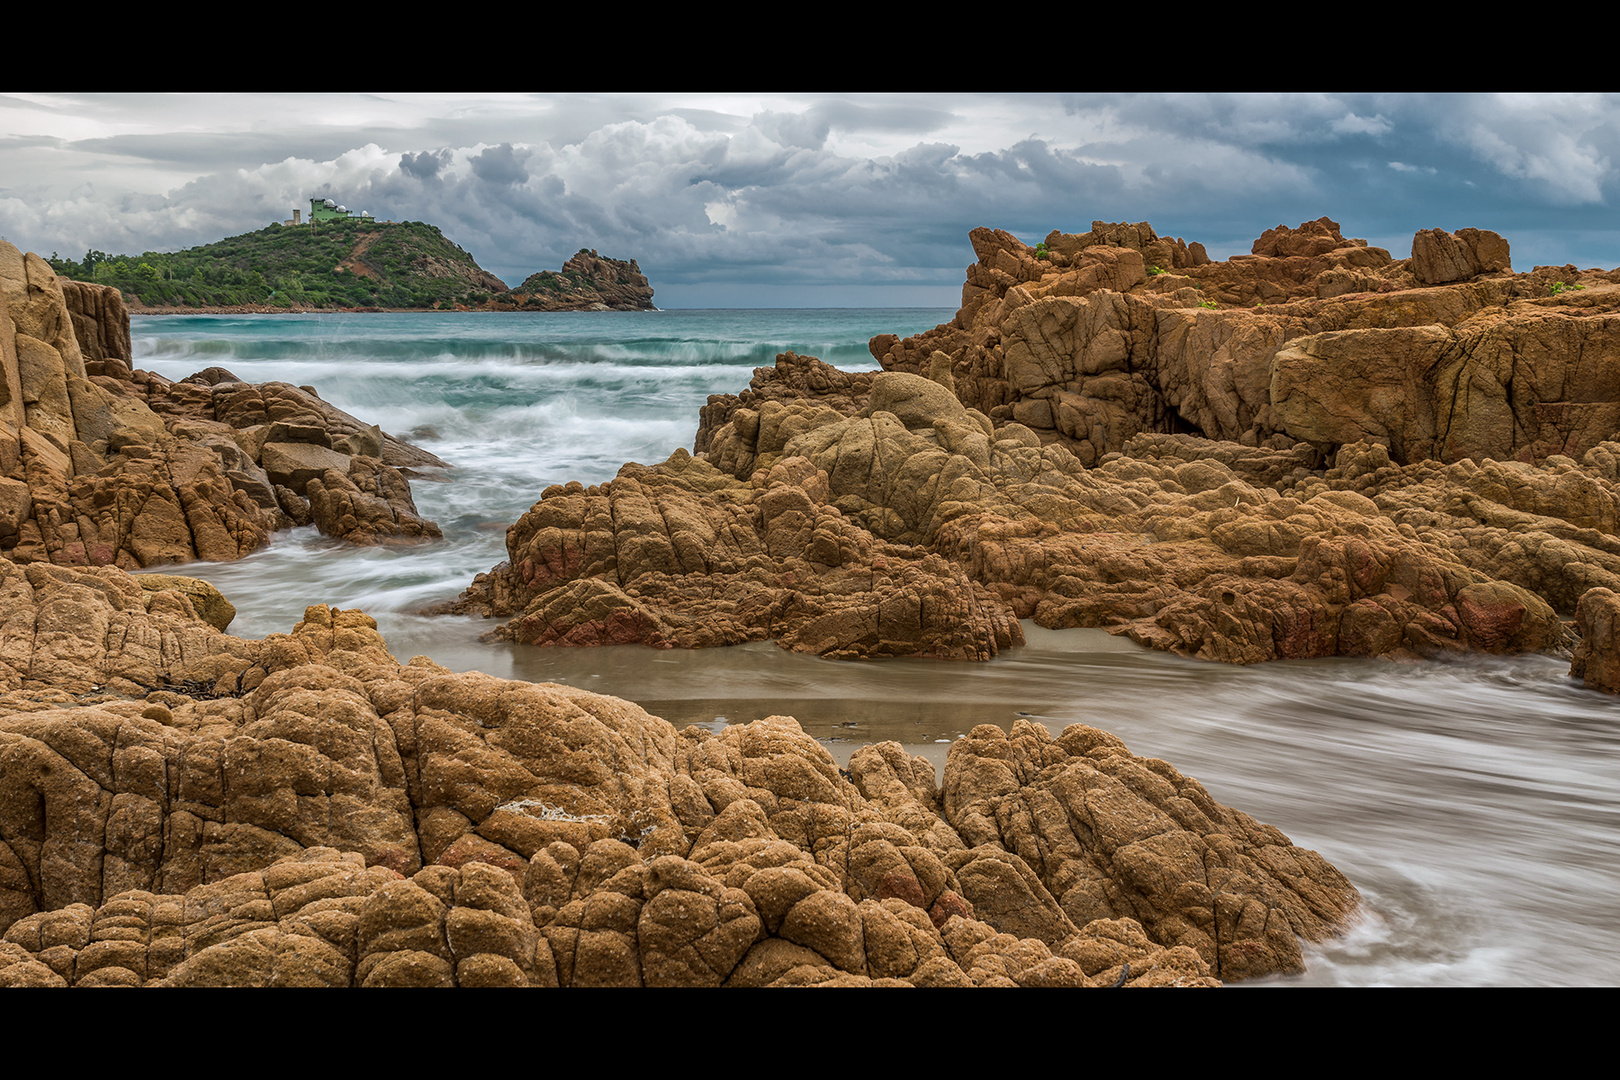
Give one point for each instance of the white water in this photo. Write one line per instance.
(1475, 804)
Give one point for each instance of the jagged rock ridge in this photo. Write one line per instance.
(1313, 337)
(1309, 451)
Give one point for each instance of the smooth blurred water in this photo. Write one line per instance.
(1475, 804)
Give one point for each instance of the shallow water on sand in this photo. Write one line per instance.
(1475, 804)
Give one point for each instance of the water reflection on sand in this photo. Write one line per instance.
(1474, 803)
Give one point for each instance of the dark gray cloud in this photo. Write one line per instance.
(500, 165)
(205, 151)
(424, 165)
(809, 128)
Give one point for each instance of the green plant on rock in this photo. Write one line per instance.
(1212, 305)
(1154, 271)
(1043, 252)
(1558, 287)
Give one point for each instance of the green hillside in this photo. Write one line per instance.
(339, 264)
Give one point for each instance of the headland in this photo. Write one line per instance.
(350, 264)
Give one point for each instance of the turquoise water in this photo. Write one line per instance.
(514, 402)
(1475, 804)
(519, 400)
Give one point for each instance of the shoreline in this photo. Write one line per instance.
(260, 309)
(1160, 705)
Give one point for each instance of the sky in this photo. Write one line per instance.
(810, 200)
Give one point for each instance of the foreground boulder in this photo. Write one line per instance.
(685, 555)
(103, 465)
(182, 807)
(1597, 658)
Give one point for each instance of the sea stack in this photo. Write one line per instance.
(586, 282)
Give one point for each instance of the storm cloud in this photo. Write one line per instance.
(734, 200)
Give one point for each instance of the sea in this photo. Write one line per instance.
(1475, 803)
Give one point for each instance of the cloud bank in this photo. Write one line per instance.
(809, 200)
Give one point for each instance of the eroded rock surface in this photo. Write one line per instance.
(102, 465)
(1214, 550)
(686, 555)
(1444, 355)
(1313, 450)
(180, 807)
(1597, 657)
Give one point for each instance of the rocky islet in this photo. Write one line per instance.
(586, 282)
(185, 807)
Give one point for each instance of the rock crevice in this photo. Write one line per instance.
(304, 810)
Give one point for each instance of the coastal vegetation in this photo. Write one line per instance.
(338, 264)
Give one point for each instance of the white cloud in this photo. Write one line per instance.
(1569, 172)
(721, 213)
(1351, 124)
